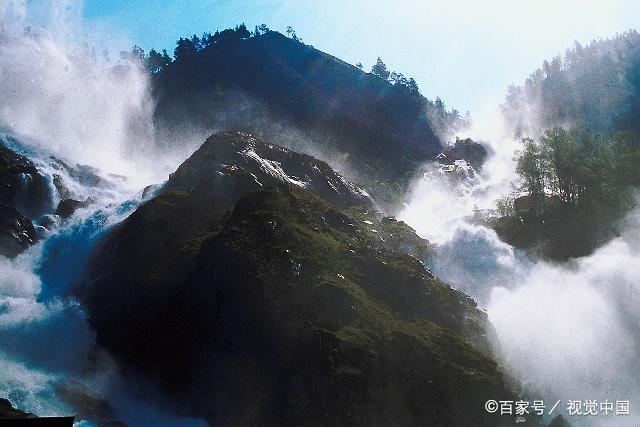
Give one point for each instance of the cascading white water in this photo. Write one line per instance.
(94, 117)
(570, 331)
(49, 363)
(566, 331)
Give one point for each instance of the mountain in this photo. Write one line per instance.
(579, 175)
(291, 93)
(594, 87)
(250, 291)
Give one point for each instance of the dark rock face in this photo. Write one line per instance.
(86, 175)
(236, 162)
(257, 301)
(273, 87)
(16, 232)
(24, 196)
(67, 207)
(22, 187)
(87, 404)
(8, 411)
(467, 150)
(149, 190)
(13, 417)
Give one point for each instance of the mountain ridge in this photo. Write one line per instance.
(280, 89)
(284, 302)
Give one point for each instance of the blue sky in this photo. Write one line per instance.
(466, 52)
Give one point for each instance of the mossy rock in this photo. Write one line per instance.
(275, 307)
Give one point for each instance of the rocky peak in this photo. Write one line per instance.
(252, 164)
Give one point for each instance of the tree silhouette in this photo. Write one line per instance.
(413, 88)
(242, 31)
(185, 49)
(261, 29)
(197, 43)
(380, 69)
(439, 105)
(166, 59)
(292, 33)
(206, 40)
(154, 62)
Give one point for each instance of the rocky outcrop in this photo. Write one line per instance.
(256, 300)
(24, 196)
(68, 207)
(464, 149)
(84, 175)
(386, 232)
(17, 232)
(13, 417)
(22, 187)
(8, 411)
(236, 162)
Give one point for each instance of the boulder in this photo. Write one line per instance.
(67, 207)
(22, 187)
(17, 232)
(464, 149)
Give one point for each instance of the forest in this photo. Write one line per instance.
(576, 177)
(594, 87)
(187, 49)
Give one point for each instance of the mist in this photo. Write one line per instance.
(66, 101)
(591, 86)
(72, 100)
(565, 331)
(572, 332)
(63, 102)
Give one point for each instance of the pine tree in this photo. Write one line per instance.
(380, 69)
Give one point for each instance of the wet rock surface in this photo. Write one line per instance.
(22, 187)
(17, 232)
(464, 149)
(254, 298)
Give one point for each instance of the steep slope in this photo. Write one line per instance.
(256, 301)
(594, 87)
(22, 186)
(38, 189)
(288, 92)
(16, 232)
(7, 410)
(24, 196)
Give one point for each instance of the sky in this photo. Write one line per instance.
(466, 52)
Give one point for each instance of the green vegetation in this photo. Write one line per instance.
(576, 186)
(594, 87)
(581, 169)
(188, 48)
(267, 304)
(388, 233)
(576, 183)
